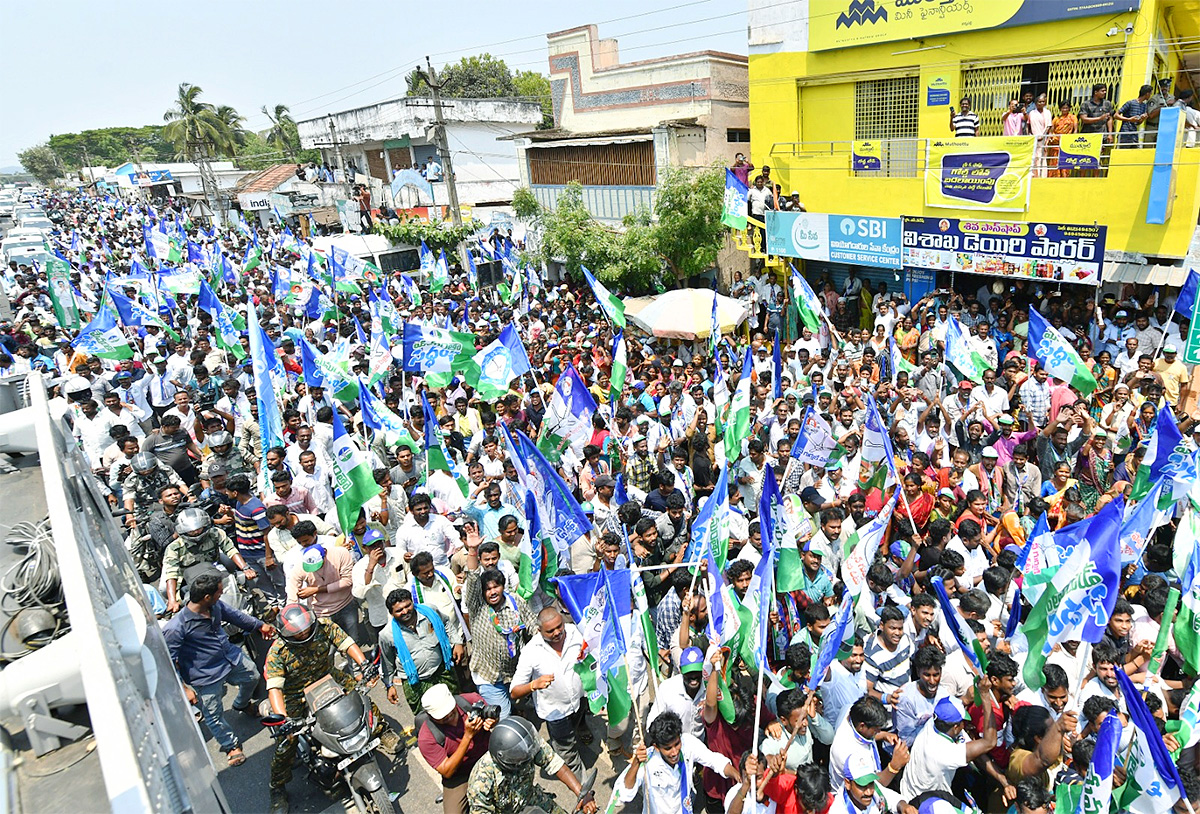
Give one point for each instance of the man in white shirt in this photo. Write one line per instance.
(376, 574)
(941, 748)
(423, 531)
(667, 772)
(91, 431)
(189, 419)
(855, 737)
(682, 693)
(546, 669)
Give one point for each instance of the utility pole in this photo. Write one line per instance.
(337, 147)
(443, 145)
(87, 162)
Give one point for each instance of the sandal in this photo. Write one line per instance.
(236, 756)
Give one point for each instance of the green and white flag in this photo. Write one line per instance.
(620, 370)
(807, 303)
(1055, 353)
(737, 428)
(103, 337)
(794, 523)
(441, 273)
(1187, 622)
(353, 483)
(379, 360)
(733, 207)
(62, 298)
(960, 354)
(611, 304)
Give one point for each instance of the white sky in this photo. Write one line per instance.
(74, 64)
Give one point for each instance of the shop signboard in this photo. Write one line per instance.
(852, 239)
(844, 23)
(1058, 252)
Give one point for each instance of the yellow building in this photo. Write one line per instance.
(827, 73)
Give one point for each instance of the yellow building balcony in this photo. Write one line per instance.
(1114, 197)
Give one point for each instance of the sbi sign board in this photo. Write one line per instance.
(835, 238)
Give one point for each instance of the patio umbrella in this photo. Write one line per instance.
(687, 314)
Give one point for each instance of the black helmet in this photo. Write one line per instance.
(513, 743)
(144, 462)
(192, 520)
(296, 623)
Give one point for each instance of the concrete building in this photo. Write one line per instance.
(177, 178)
(378, 141)
(853, 105)
(619, 125)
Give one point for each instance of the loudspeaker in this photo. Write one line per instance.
(42, 681)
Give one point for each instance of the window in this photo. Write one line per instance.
(737, 136)
(885, 110)
(990, 88)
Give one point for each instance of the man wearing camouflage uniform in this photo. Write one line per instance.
(302, 654)
(503, 781)
(198, 543)
(223, 453)
(141, 491)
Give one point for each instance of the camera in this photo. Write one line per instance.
(484, 710)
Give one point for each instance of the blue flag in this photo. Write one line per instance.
(1138, 528)
(762, 585)
(832, 639)
(619, 493)
(562, 518)
(1150, 771)
(957, 624)
(1186, 301)
(710, 526)
(308, 359)
(265, 360)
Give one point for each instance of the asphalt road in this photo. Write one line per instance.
(415, 783)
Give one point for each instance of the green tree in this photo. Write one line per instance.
(532, 86)
(476, 77)
(112, 146)
(687, 219)
(283, 135)
(41, 162)
(194, 127)
(678, 240)
(233, 124)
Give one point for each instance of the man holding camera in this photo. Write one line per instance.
(452, 737)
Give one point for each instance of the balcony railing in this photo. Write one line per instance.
(906, 157)
(603, 202)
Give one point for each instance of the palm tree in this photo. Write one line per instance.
(193, 126)
(283, 134)
(235, 134)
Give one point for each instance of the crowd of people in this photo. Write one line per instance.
(902, 668)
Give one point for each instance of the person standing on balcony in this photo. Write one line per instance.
(965, 123)
(1013, 119)
(1154, 107)
(1131, 114)
(1038, 121)
(1064, 124)
(742, 168)
(1096, 115)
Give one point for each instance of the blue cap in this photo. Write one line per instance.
(691, 660)
(371, 536)
(949, 710)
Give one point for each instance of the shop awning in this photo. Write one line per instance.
(1144, 274)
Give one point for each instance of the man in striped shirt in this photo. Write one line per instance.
(887, 656)
(965, 123)
(250, 529)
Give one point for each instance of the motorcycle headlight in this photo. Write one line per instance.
(352, 743)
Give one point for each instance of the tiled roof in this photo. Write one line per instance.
(266, 180)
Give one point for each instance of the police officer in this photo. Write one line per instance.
(143, 486)
(198, 543)
(224, 454)
(302, 654)
(502, 782)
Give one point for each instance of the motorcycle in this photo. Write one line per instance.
(336, 742)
